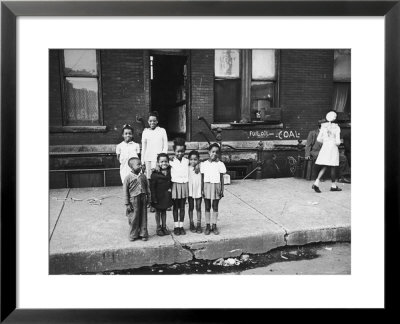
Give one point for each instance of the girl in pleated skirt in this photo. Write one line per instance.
(180, 188)
(212, 185)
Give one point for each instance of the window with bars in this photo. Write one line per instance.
(81, 88)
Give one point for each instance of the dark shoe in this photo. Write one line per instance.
(316, 188)
(336, 189)
(144, 238)
(160, 232)
(177, 231)
(198, 229)
(152, 210)
(214, 229)
(207, 231)
(165, 231)
(182, 231)
(192, 227)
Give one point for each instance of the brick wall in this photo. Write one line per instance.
(202, 91)
(125, 92)
(306, 85)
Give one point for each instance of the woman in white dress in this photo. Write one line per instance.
(328, 156)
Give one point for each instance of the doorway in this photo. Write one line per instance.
(169, 92)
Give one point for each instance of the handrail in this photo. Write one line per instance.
(207, 124)
(82, 170)
(205, 137)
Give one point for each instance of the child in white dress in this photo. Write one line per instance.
(194, 191)
(212, 186)
(328, 156)
(126, 150)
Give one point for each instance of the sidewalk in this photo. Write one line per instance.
(255, 216)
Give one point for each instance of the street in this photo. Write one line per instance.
(330, 259)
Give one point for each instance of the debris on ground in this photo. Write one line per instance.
(91, 201)
(244, 257)
(231, 262)
(283, 257)
(218, 262)
(328, 248)
(208, 270)
(160, 270)
(94, 201)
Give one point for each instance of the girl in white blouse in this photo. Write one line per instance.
(212, 173)
(180, 189)
(126, 150)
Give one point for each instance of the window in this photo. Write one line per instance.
(245, 86)
(81, 88)
(342, 81)
(227, 86)
(263, 80)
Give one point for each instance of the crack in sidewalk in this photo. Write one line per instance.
(59, 215)
(185, 247)
(270, 219)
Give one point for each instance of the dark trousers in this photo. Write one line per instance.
(138, 217)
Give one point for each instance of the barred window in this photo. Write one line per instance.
(81, 88)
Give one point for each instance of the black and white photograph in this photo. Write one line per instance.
(208, 161)
(188, 161)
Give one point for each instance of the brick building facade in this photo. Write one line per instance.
(183, 85)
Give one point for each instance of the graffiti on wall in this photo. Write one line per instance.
(274, 134)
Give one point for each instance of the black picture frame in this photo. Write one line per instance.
(10, 10)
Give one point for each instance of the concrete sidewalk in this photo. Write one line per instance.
(255, 216)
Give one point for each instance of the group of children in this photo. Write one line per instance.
(162, 182)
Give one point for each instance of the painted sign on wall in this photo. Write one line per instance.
(274, 134)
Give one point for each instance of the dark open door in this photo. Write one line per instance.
(169, 92)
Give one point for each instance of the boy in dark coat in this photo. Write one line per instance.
(161, 198)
